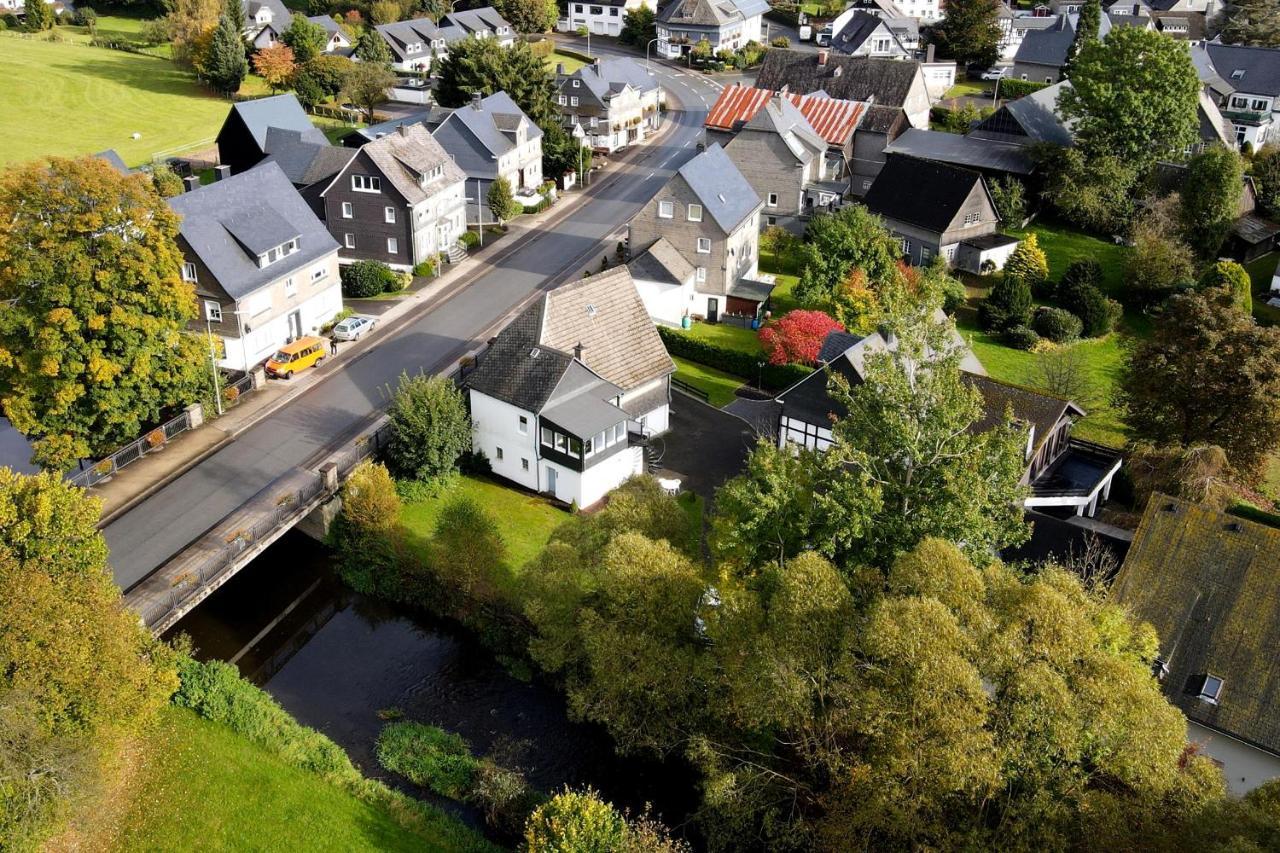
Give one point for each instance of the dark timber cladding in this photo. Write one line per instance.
(242, 141)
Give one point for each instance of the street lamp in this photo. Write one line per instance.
(995, 95)
(579, 135)
(646, 55)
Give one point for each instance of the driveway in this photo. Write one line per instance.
(703, 448)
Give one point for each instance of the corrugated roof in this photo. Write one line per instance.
(833, 119)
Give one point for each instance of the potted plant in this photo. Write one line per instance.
(155, 439)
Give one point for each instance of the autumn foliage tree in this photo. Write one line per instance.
(275, 65)
(797, 336)
(93, 340)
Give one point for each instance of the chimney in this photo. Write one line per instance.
(928, 53)
(221, 173)
(190, 182)
(822, 58)
(403, 128)
(1137, 10)
(560, 69)
(476, 98)
(577, 351)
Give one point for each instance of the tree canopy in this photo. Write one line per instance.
(225, 64)
(93, 340)
(485, 66)
(970, 31)
(1211, 198)
(835, 244)
(1251, 22)
(307, 40)
(430, 428)
(529, 16)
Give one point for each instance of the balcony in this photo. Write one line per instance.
(1079, 479)
(1246, 117)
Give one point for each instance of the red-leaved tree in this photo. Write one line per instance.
(796, 337)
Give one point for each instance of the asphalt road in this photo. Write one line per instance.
(153, 531)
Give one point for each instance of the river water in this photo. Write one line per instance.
(334, 658)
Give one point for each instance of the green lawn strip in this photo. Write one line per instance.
(966, 87)
(1260, 272)
(718, 384)
(694, 507)
(526, 521)
(571, 63)
(106, 96)
(727, 336)
(1064, 246)
(207, 787)
(787, 275)
(1103, 360)
(1246, 510)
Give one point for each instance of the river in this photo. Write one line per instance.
(334, 658)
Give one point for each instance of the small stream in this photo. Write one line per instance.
(334, 658)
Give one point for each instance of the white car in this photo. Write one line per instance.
(994, 73)
(352, 328)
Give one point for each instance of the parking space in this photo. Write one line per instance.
(703, 448)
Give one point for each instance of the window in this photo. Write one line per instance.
(771, 221)
(1239, 103)
(389, 214)
(212, 311)
(577, 7)
(562, 442)
(925, 254)
(593, 122)
(348, 211)
(695, 213)
(317, 274)
(597, 10)
(905, 245)
(666, 209)
(972, 219)
(701, 274)
(704, 245)
(366, 183)
(562, 100)
(773, 200)
(349, 241)
(393, 246)
(619, 432)
(1210, 689)
(573, 101)
(613, 11)
(498, 453)
(547, 437)
(1259, 106)
(575, 447)
(188, 272)
(290, 288)
(575, 83)
(524, 425)
(524, 464)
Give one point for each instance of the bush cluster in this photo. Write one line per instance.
(1021, 337)
(364, 279)
(470, 239)
(1057, 324)
(743, 364)
(1013, 89)
(1079, 291)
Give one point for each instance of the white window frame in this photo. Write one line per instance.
(389, 215)
(704, 245)
(666, 210)
(317, 274)
(772, 200)
(348, 210)
(497, 453)
(290, 288)
(694, 213)
(700, 274)
(393, 246)
(212, 311)
(522, 425)
(189, 272)
(366, 184)
(573, 101)
(349, 241)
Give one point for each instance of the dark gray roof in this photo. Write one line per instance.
(516, 368)
(1247, 69)
(836, 344)
(710, 13)
(408, 157)
(856, 30)
(606, 77)
(920, 192)
(580, 402)
(1033, 116)
(854, 78)
(962, 151)
(475, 134)
(725, 195)
(432, 118)
(329, 24)
(113, 157)
(304, 162)
(1033, 408)
(227, 223)
(1047, 47)
(661, 263)
(277, 111)
(459, 24)
(417, 34)
(887, 120)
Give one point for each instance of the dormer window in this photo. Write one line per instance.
(1210, 689)
(366, 183)
(189, 272)
(432, 174)
(275, 253)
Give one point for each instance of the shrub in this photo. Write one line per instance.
(501, 201)
(780, 41)
(470, 239)
(1028, 263)
(505, 797)
(364, 279)
(1057, 324)
(575, 821)
(1233, 277)
(1008, 305)
(426, 269)
(467, 549)
(428, 756)
(1010, 199)
(737, 362)
(1011, 89)
(429, 427)
(797, 336)
(166, 181)
(778, 241)
(1020, 337)
(365, 535)
(1098, 314)
(1079, 273)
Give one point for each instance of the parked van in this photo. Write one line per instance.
(295, 357)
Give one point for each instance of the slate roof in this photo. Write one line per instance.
(477, 133)
(1209, 583)
(280, 14)
(782, 118)
(1035, 115)
(305, 163)
(606, 77)
(1169, 22)
(710, 13)
(1033, 408)
(831, 118)
(857, 30)
(432, 118)
(329, 24)
(887, 82)
(228, 222)
(962, 151)
(661, 263)
(113, 158)
(920, 192)
(726, 196)
(457, 25)
(399, 35)
(1048, 47)
(281, 111)
(886, 120)
(1260, 67)
(409, 153)
(580, 402)
(603, 313)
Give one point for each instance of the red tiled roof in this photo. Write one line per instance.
(832, 119)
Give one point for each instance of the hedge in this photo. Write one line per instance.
(774, 377)
(1011, 90)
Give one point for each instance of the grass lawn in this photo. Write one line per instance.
(571, 63)
(718, 384)
(201, 786)
(1260, 271)
(526, 521)
(784, 270)
(69, 99)
(1064, 245)
(727, 336)
(967, 87)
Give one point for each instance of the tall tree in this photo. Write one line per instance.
(909, 431)
(371, 47)
(429, 427)
(1208, 375)
(93, 340)
(235, 11)
(38, 15)
(321, 79)
(1264, 168)
(1086, 30)
(970, 31)
(639, 26)
(485, 66)
(837, 243)
(529, 16)
(307, 40)
(366, 86)
(225, 66)
(1211, 198)
(1251, 22)
(190, 24)
(501, 201)
(275, 65)
(1133, 96)
(561, 153)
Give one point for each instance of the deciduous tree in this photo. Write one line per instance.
(837, 243)
(189, 25)
(485, 66)
(1251, 22)
(93, 340)
(307, 40)
(970, 31)
(1229, 276)
(321, 79)
(639, 27)
(1095, 192)
(501, 201)
(429, 427)
(1207, 375)
(1210, 199)
(366, 86)
(275, 65)
(529, 16)
(797, 336)
(1160, 263)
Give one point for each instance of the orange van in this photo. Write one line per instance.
(296, 357)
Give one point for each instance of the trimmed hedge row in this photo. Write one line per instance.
(774, 377)
(1011, 90)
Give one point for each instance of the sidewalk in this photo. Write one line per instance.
(153, 472)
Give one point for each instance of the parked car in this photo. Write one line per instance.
(296, 357)
(352, 328)
(994, 73)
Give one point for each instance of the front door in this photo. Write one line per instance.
(551, 480)
(442, 236)
(295, 325)
(713, 310)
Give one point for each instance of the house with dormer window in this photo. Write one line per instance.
(724, 24)
(400, 200)
(264, 267)
(615, 102)
(265, 21)
(492, 138)
(1245, 81)
(565, 398)
(417, 44)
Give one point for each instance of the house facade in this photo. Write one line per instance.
(1245, 82)
(601, 18)
(265, 21)
(858, 33)
(417, 44)
(615, 101)
(784, 160)
(724, 24)
(264, 268)
(565, 397)
(339, 43)
(709, 213)
(492, 138)
(665, 282)
(242, 139)
(400, 200)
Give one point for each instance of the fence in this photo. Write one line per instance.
(153, 441)
(692, 391)
(233, 393)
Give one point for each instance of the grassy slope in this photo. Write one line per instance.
(571, 63)
(718, 384)
(1063, 246)
(205, 787)
(69, 99)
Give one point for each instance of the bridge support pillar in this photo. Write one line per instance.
(317, 523)
(329, 472)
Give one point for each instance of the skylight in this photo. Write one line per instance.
(1210, 689)
(1237, 74)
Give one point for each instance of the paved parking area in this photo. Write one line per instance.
(703, 448)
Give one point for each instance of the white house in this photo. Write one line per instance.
(265, 21)
(492, 138)
(601, 17)
(564, 398)
(665, 282)
(338, 43)
(264, 267)
(417, 44)
(615, 101)
(724, 24)
(1245, 81)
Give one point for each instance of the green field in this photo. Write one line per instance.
(571, 63)
(718, 384)
(201, 786)
(69, 99)
(727, 336)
